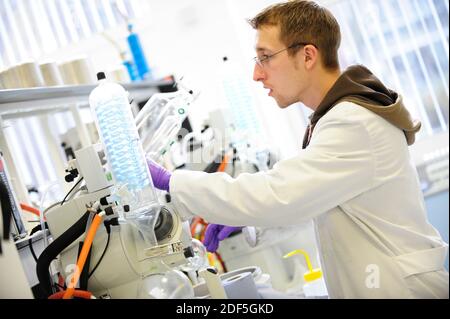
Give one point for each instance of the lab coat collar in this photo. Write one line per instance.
(358, 85)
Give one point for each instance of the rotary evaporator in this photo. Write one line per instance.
(134, 244)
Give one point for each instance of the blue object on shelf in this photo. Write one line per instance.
(138, 54)
(132, 71)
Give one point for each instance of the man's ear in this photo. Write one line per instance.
(311, 55)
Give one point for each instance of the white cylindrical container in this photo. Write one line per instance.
(68, 73)
(51, 74)
(2, 79)
(119, 75)
(126, 159)
(12, 78)
(82, 67)
(241, 286)
(7, 82)
(30, 75)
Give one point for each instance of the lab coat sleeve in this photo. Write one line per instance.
(337, 166)
(260, 236)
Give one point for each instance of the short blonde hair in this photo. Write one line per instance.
(304, 21)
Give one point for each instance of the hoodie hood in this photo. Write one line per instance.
(358, 85)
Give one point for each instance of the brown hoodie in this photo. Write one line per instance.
(358, 85)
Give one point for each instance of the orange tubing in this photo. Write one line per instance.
(219, 258)
(224, 163)
(30, 209)
(195, 223)
(83, 255)
(77, 293)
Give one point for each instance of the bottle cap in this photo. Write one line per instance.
(310, 275)
(101, 76)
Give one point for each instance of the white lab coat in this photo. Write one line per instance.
(357, 182)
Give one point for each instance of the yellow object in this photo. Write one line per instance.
(312, 274)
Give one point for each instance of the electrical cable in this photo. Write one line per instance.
(30, 241)
(101, 257)
(76, 192)
(37, 228)
(83, 255)
(108, 224)
(65, 197)
(51, 206)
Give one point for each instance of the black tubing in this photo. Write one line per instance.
(84, 276)
(55, 248)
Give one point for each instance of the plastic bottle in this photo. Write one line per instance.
(315, 289)
(126, 159)
(314, 286)
(131, 68)
(138, 54)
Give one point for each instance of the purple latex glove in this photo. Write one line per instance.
(160, 176)
(216, 233)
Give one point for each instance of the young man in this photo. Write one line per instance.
(354, 176)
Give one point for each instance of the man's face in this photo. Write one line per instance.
(282, 74)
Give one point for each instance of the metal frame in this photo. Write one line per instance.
(19, 103)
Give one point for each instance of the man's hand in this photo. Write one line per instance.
(216, 233)
(160, 176)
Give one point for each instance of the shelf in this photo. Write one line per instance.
(34, 101)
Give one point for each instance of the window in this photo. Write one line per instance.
(405, 43)
(29, 28)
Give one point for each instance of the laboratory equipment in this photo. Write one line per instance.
(143, 238)
(122, 262)
(161, 118)
(314, 286)
(121, 258)
(130, 66)
(124, 56)
(266, 247)
(125, 156)
(213, 282)
(172, 284)
(138, 53)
